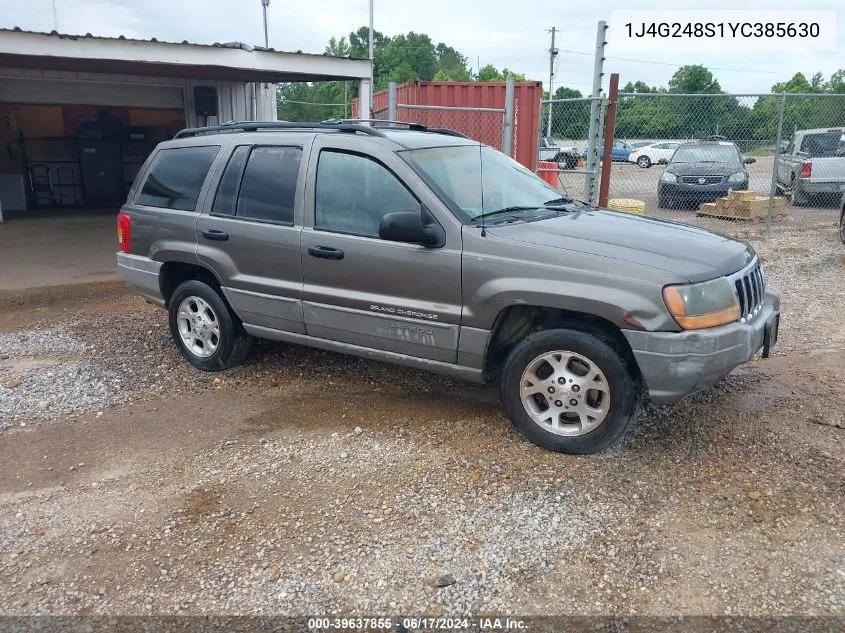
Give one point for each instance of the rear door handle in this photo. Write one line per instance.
(214, 234)
(326, 252)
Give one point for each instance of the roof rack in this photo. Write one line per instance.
(252, 126)
(414, 127)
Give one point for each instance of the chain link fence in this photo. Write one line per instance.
(565, 145)
(681, 156)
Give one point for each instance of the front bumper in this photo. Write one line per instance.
(682, 192)
(676, 364)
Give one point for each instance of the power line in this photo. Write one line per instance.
(648, 61)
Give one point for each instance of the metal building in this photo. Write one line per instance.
(80, 114)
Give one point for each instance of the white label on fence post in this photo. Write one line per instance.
(697, 30)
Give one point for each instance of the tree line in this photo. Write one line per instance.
(655, 114)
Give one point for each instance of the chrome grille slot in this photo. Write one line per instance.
(697, 180)
(750, 290)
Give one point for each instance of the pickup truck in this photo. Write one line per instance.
(812, 165)
(550, 150)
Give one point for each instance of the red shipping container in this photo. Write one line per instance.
(485, 127)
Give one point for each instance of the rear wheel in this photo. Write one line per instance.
(644, 162)
(568, 391)
(209, 336)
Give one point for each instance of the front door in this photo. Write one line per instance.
(250, 238)
(363, 290)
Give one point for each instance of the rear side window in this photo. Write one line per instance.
(176, 177)
(259, 183)
(268, 186)
(227, 190)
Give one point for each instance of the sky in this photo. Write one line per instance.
(506, 33)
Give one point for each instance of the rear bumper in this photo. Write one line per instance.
(676, 364)
(810, 187)
(141, 273)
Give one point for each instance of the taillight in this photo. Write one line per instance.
(806, 169)
(124, 225)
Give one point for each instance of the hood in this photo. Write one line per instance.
(693, 253)
(704, 169)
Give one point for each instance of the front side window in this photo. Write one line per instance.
(176, 177)
(354, 192)
(479, 179)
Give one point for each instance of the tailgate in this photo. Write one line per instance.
(828, 169)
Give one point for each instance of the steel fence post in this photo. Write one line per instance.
(773, 187)
(391, 101)
(507, 126)
(595, 107)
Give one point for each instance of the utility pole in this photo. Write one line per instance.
(264, 5)
(552, 55)
(372, 63)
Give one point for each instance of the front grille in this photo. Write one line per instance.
(750, 289)
(697, 180)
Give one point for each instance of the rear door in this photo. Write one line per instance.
(250, 234)
(363, 290)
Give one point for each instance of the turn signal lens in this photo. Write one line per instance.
(702, 305)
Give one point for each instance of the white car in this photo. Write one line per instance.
(648, 155)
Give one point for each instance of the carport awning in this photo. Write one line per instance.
(218, 62)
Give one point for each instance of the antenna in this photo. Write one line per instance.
(481, 188)
(55, 17)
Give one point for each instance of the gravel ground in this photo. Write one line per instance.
(307, 482)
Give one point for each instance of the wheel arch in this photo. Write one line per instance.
(514, 323)
(174, 273)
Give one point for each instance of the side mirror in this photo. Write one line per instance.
(413, 227)
(749, 161)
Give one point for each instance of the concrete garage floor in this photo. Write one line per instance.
(67, 247)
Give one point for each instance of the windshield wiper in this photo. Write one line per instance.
(556, 201)
(506, 210)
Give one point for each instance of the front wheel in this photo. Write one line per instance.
(204, 329)
(644, 162)
(568, 391)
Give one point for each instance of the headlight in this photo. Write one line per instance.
(702, 305)
(668, 176)
(738, 176)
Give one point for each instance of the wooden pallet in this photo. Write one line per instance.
(743, 205)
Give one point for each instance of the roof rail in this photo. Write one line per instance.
(252, 126)
(414, 127)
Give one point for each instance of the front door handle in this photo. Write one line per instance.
(326, 252)
(214, 234)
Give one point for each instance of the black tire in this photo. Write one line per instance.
(644, 162)
(800, 199)
(623, 389)
(234, 343)
(663, 202)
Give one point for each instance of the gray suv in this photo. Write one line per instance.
(421, 247)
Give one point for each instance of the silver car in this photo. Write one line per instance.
(424, 248)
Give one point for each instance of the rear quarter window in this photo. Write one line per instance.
(176, 176)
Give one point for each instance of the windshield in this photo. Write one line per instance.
(726, 153)
(826, 144)
(479, 179)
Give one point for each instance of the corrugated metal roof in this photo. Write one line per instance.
(240, 45)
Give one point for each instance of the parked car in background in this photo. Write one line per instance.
(813, 165)
(702, 171)
(426, 249)
(621, 151)
(653, 153)
(551, 150)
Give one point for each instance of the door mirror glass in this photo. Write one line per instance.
(413, 227)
